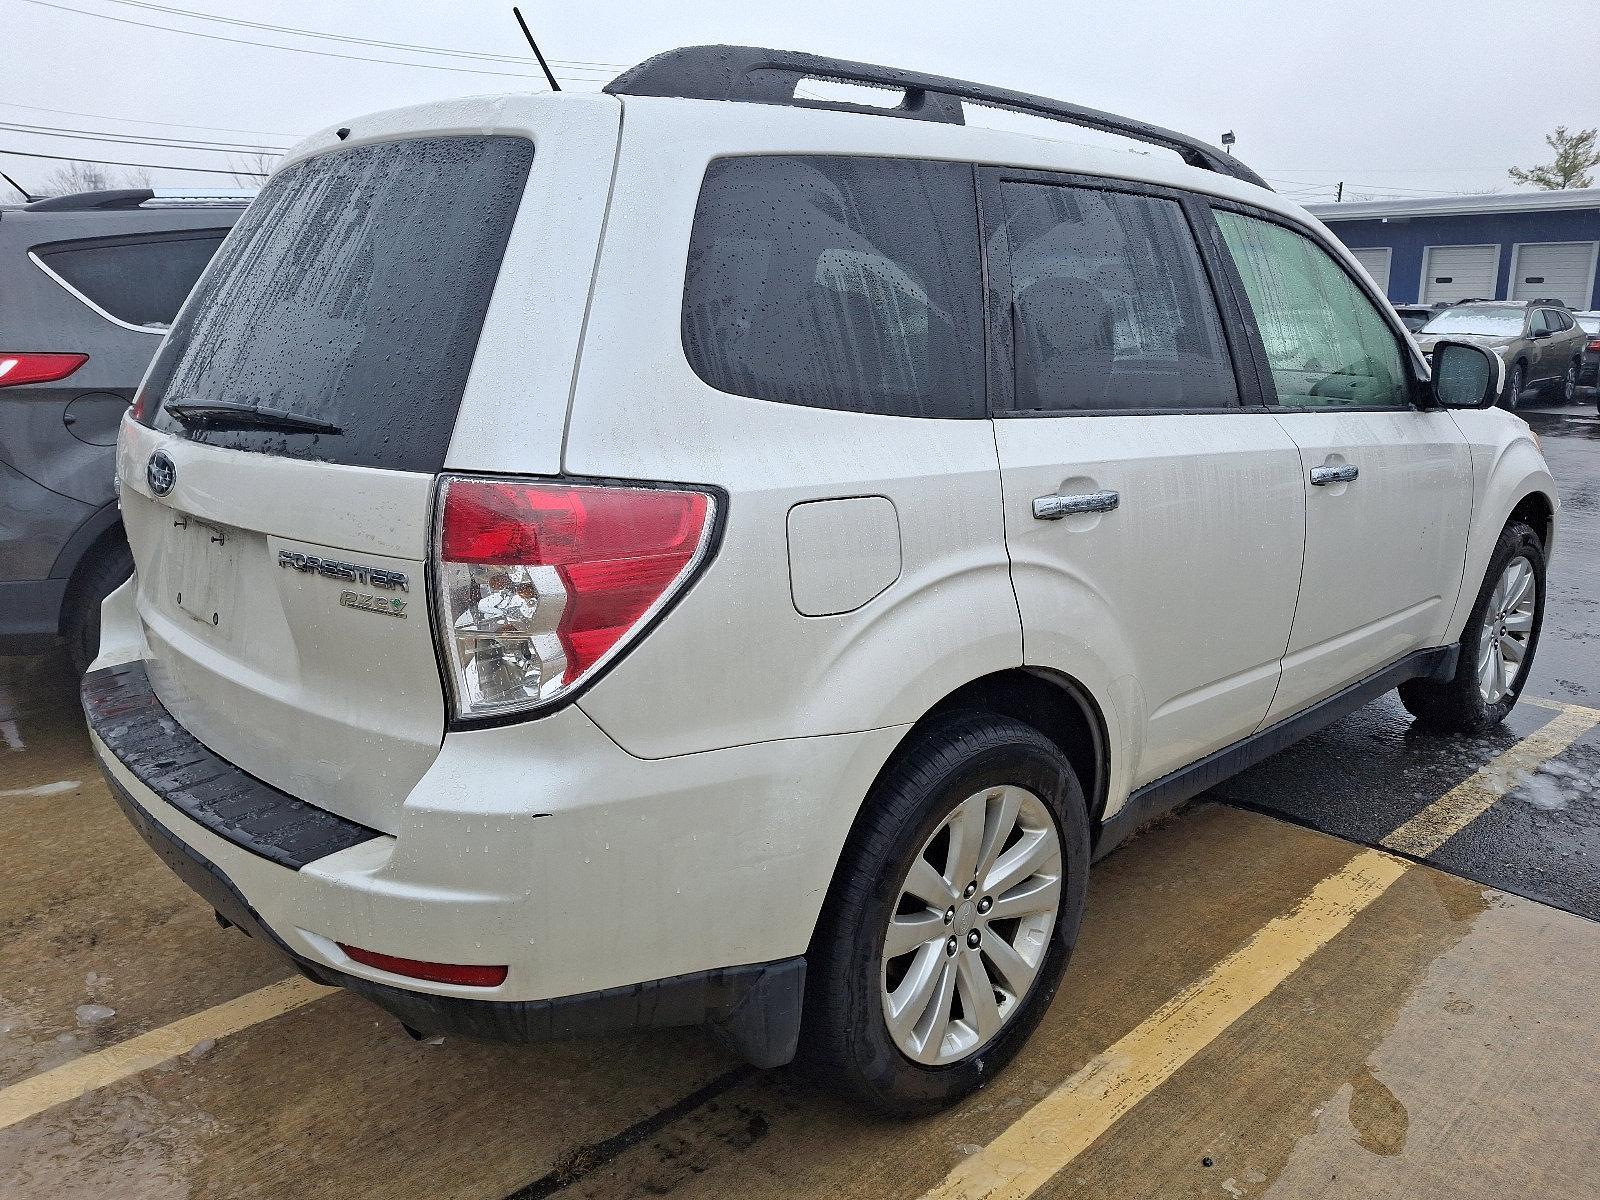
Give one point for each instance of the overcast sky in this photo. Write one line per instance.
(1396, 99)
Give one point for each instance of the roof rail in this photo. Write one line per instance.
(200, 197)
(128, 198)
(755, 75)
(88, 201)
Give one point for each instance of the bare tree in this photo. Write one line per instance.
(1576, 153)
(91, 177)
(251, 170)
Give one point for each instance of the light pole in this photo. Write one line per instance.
(1227, 141)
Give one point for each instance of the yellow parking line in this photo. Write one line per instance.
(1469, 800)
(1068, 1120)
(1073, 1116)
(82, 1075)
(1562, 706)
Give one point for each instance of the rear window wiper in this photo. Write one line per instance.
(255, 416)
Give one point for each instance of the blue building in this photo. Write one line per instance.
(1517, 246)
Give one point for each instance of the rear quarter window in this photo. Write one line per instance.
(845, 283)
(140, 281)
(351, 293)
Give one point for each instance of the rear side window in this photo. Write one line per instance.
(840, 283)
(1110, 304)
(1325, 341)
(139, 281)
(350, 295)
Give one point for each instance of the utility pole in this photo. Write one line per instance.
(1338, 197)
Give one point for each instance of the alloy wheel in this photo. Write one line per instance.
(1515, 386)
(972, 925)
(1569, 389)
(1507, 629)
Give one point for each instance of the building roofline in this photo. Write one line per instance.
(1442, 206)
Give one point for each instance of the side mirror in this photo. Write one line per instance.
(1466, 376)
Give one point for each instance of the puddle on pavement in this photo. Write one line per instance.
(42, 738)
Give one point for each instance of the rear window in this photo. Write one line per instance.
(841, 283)
(140, 281)
(350, 295)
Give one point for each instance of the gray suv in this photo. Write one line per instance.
(1539, 342)
(88, 284)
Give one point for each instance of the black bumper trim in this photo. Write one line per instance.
(125, 714)
(754, 1009)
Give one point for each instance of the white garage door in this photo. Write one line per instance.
(1376, 261)
(1554, 271)
(1459, 273)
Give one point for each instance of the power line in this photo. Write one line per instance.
(67, 112)
(361, 41)
(138, 139)
(216, 37)
(113, 162)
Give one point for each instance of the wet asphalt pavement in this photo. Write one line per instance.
(1363, 777)
(1426, 1027)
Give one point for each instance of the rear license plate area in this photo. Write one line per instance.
(205, 564)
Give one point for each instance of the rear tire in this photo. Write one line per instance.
(972, 765)
(1461, 704)
(1569, 383)
(97, 578)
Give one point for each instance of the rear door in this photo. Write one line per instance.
(1153, 521)
(278, 484)
(1388, 485)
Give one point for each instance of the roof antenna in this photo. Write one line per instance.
(527, 33)
(18, 186)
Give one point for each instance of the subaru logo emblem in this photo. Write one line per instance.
(160, 473)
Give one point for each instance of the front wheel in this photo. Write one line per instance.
(951, 917)
(1497, 648)
(1516, 384)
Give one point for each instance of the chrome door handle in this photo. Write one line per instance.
(1322, 476)
(1054, 506)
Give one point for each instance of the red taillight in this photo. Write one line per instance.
(468, 976)
(1595, 346)
(37, 368)
(540, 582)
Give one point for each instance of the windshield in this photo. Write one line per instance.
(1485, 322)
(339, 319)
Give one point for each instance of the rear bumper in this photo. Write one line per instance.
(542, 846)
(30, 614)
(755, 1008)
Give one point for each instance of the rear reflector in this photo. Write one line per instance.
(37, 368)
(540, 584)
(467, 976)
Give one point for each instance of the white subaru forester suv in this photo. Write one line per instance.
(696, 553)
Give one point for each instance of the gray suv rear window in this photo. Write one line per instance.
(138, 280)
(841, 283)
(351, 293)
